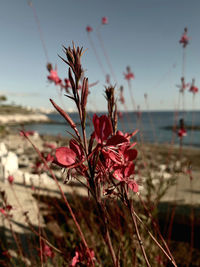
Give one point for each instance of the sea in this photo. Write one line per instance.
(153, 126)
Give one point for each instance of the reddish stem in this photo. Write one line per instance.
(64, 198)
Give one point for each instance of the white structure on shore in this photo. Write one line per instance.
(8, 162)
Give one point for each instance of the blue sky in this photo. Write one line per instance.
(143, 34)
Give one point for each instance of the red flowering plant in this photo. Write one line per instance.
(53, 75)
(104, 20)
(89, 29)
(5, 207)
(193, 89)
(46, 252)
(181, 131)
(106, 160)
(184, 38)
(79, 257)
(129, 74)
(183, 85)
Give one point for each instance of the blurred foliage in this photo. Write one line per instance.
(12, 109)
(3, 98)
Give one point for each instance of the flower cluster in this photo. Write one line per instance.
(110, 159)
(54, 78)
(104, 21)
(63, 84)
(107, 159)
(115, 154)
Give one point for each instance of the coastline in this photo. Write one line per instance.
(23, 118)
(154, 155)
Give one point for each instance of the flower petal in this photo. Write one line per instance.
(133, 186)
(65, 156)
(77, 148)
(102, 128)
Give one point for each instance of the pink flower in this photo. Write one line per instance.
(119, 149)
(193, 89)
(49, 145)
(128, 136)
(184, 39)
(182, 132)
(75, 259)
(65, 156)
(183, 85)
(48, 252)
(133, 186)
(49, 158)
(53, 77)
(77, 148)
(104, 20)
(3, 211)
(113, 150)
(124, 173)
(117, 158)
(129, 75)
(27, 133)
(68, 156)
(67, 85)
(89, 29)
(10, 179)
(102, 128)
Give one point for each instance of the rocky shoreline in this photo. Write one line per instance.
(161, 161)
(22, 118)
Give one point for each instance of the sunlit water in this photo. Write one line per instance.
(151, 126)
